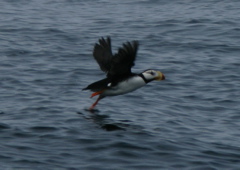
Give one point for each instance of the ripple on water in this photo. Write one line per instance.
(188, 121)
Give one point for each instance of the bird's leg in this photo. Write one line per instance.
(95, 103)
(97, 93)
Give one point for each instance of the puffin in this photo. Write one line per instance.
(119, 77)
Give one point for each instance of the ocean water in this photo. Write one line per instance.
(189, 121)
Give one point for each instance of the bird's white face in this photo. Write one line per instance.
(153, 75)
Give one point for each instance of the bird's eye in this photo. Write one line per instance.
(152, 73)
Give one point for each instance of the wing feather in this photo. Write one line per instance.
(102, 53)
(123, 61)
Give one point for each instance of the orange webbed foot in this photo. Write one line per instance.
(95, 103)
(97, 93)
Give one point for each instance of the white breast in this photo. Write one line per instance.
(125, 87)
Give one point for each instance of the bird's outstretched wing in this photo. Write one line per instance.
(102, 53)
(123, 61)
(118, 65)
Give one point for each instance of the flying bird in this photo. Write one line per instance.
(119, 77)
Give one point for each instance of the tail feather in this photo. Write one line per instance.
(86, 88)
(98, 86)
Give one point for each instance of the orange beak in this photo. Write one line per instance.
(160, 76)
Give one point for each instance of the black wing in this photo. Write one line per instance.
(102, 53)
(123, 61)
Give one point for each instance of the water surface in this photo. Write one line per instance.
(188, 121)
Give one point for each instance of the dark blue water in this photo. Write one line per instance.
(189, 121)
